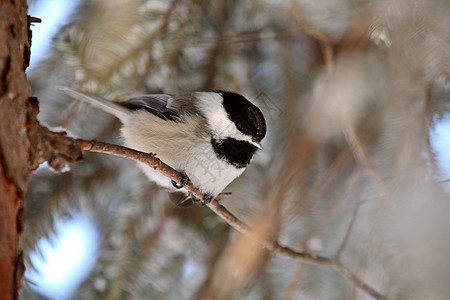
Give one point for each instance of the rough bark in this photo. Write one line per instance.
(24, 144)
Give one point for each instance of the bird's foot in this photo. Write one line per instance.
(184, 181)
(208, 198)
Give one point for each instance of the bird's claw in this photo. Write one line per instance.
(208, 198)
(184, 181)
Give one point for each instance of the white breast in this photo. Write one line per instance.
(181, 146)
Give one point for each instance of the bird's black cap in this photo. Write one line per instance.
(247, 117)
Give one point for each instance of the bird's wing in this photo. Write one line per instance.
(157, 104)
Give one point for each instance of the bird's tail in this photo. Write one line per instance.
(101, 103)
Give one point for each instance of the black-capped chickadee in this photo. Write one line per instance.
(210, 137)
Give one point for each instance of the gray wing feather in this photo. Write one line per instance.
(159, 105)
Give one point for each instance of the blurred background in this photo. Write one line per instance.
(356, 95)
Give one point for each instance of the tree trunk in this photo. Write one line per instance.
(14, 143)
(24, 144)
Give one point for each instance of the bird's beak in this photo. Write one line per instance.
(256, 144)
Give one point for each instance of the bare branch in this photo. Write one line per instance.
(332, 211)
(349, 229)
(360, 152)
(358, 282)
(146, 158)
(271, 245)
(295, 282)
(325, 41)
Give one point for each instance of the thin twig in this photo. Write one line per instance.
(225, 194)
(358, 282)
(332, 211)
(290, 292)
(349, 229)
(325, 41)
(360, 152)
(271, 245)
(309, 29)
(34, 19)
(338, 164)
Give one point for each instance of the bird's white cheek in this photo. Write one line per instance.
(211, 106)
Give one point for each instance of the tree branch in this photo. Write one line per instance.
(271, 245)
(353, 181)
(324, 40)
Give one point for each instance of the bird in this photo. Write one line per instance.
(209, 137)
